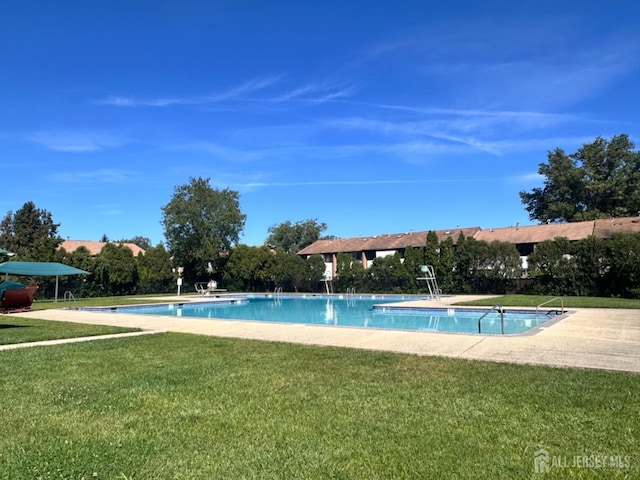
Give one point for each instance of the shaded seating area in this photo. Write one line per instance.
(38, 269)
(16, 297)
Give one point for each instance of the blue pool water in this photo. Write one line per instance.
(364, 312)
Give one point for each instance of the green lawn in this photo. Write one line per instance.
(192, 407)
(21, 330)
(97, 302)
(569, 302)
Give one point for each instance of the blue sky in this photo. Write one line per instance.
(372, 117)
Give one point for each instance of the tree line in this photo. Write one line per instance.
(203, 225)
(588, 267)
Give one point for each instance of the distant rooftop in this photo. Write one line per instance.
(391, 241)
(95, 247)
(533, 234)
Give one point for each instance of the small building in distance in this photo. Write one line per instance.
(94, 247)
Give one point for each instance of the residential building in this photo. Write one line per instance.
(525, 238)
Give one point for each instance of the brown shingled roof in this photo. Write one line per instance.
(393, 241)
(95, 247)
(537, 233)
(607, 227)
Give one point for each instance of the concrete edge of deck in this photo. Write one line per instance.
(606, 339)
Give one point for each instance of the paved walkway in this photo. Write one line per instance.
(589, 338)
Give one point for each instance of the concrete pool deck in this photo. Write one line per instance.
(589, 338)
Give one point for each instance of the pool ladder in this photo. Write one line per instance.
(549, 301)
(496, 308)
(68, 296)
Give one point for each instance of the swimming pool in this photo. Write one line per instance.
(350, 311)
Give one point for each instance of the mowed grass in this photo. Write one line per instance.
(44, 304)
(177, 406)
(15, 329)
(569, 302)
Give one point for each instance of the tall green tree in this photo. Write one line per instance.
(251, 268)
(116, 270)
(470, 259)
(589, 256)
(388, 274)
(30, 233)
(294, 237)
(553, 268)
(201, 226)
(623, 259)
(313, 273)
(154, 270)
(432, 250)
(444, 272)
(79, 285)
(600, 180)
(503, 268)
(612, 177)
(413, 260)
(143, 242)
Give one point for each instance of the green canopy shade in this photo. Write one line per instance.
(40, 269)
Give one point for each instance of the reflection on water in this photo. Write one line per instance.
(351, 311)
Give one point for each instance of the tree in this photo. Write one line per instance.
(30, 233)
(444, 272)
(154, 270)
(116, 270)
(250, 268)
(413, 260)
(470, 259)
(589, 256)
(504, 267)
(388, 274)
(600, 180)
(201, 226)
(313, 273)
(293, 238)
(143, 242)
(432, 250)
(623, 259)
(553, 267)
(78, 285)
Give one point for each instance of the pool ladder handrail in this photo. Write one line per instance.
(500, 310)
(277, 291)
(549, 301)
(68, 296)
(351, 290)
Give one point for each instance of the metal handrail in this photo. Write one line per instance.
(497, 308)
(68, 296)
(549, 301)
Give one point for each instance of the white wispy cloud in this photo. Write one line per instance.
(244, 89)
(524, 63)
(218, 151)
(76, 141)
(317, 92)
(95, 176)
(233, 93)
(255, 90)
(356, 182)
(531, 177)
